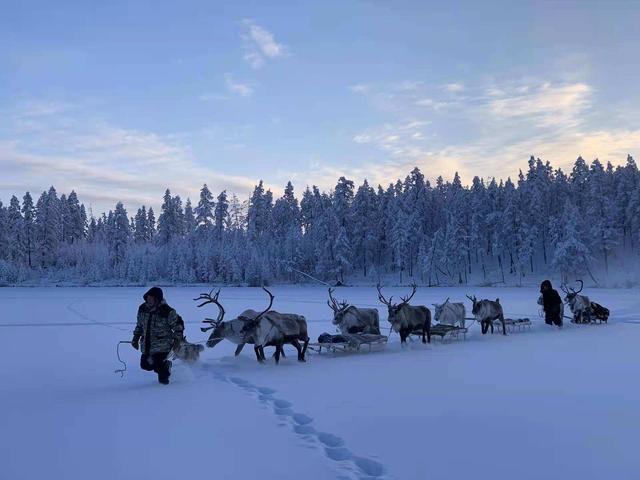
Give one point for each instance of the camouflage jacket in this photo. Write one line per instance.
(158, 328)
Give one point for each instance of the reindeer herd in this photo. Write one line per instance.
(269, 328)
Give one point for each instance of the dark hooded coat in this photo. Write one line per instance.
(158, 328)
(551, 303)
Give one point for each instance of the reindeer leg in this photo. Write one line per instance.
(257, 350)
(504, 325)
(297, 346)
(278, 351)
(304, 348)
(239, 349)
(281, 353)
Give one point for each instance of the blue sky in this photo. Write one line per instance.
(121, 99)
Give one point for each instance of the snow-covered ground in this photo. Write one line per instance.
(543, 404)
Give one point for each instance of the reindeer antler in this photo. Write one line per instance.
(251, 325)
(581, 286)
(473, 299)
(271, 297)
(414, 288)
(207, 300)
(381, 297)
(334, 304)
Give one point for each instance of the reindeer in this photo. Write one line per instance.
(580, 305)
(486, 311)
(236, 330)
(405, 318)
(350, 319)
(274, 328)
(449, 313)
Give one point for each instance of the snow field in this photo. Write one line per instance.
(546, 403)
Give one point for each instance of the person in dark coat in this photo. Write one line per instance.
(551, 303)
(160, 329)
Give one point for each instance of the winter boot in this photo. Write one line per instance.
(163, 376)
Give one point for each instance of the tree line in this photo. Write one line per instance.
(544, 222)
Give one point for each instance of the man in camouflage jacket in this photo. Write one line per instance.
(159, 329)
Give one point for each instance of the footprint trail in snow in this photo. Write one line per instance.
(302, 425)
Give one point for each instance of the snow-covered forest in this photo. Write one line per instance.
(546, 222)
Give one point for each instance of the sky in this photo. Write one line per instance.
(120, 100)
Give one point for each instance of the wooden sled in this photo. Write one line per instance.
(512, 324)
(445, 332)
(348, 342)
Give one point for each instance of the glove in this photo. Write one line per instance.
(135, 343)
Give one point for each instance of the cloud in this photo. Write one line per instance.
(359, 88)
(242, 89)
(399, 140)
(453, 87)
(491, 130)
(408, 85)
(207, 97)
(104, 163)
(430, 103)
(546, 104)
(260, 44)
(41, 108)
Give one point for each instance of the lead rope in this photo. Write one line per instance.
(121, 370)
(172, 355)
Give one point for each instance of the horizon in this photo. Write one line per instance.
(307, 94)
(278, 192)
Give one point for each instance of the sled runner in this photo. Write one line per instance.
(445, 332)
(347, 342)
(513, 324)
(599, 314)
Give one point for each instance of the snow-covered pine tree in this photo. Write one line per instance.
(75, 219)
(189, 219)
(171, 221)
(398, 220)
(571, 256)
(600, 229)
(4, 234)
(287, 232)
(364, 227)
(204, 209)
(141, 228)
(15, 231)
(221, 214)
(28, 214)
(151, 224)
(48, 228)
(119, 234)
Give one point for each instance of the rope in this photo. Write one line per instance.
(121, 370)
(307, 275)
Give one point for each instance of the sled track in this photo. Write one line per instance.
(351, 465)
(92, 321)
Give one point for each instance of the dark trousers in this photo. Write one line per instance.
(553, 316)
(157, 362)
